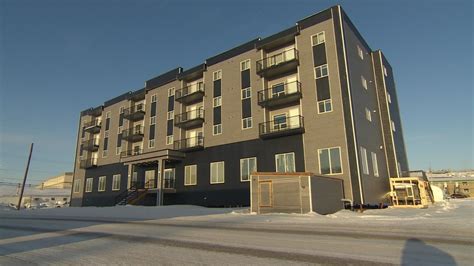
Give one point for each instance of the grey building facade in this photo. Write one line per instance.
(311, 98)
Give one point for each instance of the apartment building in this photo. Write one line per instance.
(311, 98)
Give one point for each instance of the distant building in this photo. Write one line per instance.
(63, 180)
(453, 182)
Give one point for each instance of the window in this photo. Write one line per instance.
(217, 75)
(389, 98)
(118, 150)
(375, 164)
(152, 120)
(89, 182)
(106, 134)
(368, 115)
(107, 115)
(247, 167)
(285, 162)
(279, 122)
(153, 98)
(101, 186)
(318, 38)
(120, 129)
(77, 186)
(170, 115)
(393, 125)
(330, 161)
(217, 173)
(364, 82)
(385, 71)
(363, 157)
(105, 153)
(360, 52)
(321, 71)
(217, 101)
(278, 89)
(169, 140)
(247, 123)
(246, 93)
(116, 182)
(190, 175)
(170, 92)
(151, 143)
(217, 129)
(244, 65)
(325, 106)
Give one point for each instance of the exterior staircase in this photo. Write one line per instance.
(134, 194)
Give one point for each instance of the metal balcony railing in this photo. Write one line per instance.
(186, 118)
(90, 144)
(93, 123)
(189, 143)
(132, 152)
(284, 126)
(135, 112)
(133, 134)
(279, 94)
(190, 93)
(88, 163)
(277, 60)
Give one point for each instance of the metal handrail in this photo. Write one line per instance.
(135, 130)
(189, 115)
(131, 152)
(134, 109)
(189, 143)
(93, 123)
(89, 162)
(189, 90)
(270, 61)
(291, 122)
(267, 93)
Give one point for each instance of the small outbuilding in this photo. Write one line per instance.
(295, 193)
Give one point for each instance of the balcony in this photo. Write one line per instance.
(134, 113)
(93, 126)
(90, 144)
(280, 94)
(190, 94)
(88, 163)
(133, 134)
(283, 126)
(189, 119)
(132, 152)
(278, 64)
(189, 144)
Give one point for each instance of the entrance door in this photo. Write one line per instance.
(150, 179)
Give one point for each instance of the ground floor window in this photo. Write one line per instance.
(375, 164)
(285, 162)
(330, 161)
(89, 182)
(77, 186)
(363, 158)
(247, 166)
(190, 175)
(150, 179)
(101, 186)
(169, 178)
(116, 182)
(217, 173)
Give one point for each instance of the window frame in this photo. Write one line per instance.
(217, 75)
(330, 161)
(321, 67)
(102, 182)
(76, 186)
(214, 129)
(286, 167)
(89, 187)
(170, 115)
(360, 52)
(151, 143)
(169, 139)
(246, 120)
(321, 33)
(114, 181)
(223, 172)
(246, 93)
(191, 167)
(171, 91)
(368, 114)
(248, 167)
(245, 67)
(364, 161)
(364, 82)
(375, 164)
(324, 102)
(153, 98)
(152, 120)
(217, 101)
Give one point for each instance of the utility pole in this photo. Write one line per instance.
(24, 178)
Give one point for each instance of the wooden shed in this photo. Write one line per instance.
(295, 193)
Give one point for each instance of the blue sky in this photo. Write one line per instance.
(60, 57)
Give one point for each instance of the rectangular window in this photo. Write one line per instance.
(325, 106)
(246, 93)
(330, 161)
(170, 115)
(375, 163)
(360, 52)
(153, 98)
(285, 162)
(89, 183)
(217, 75)
(118, 150)
(244, 65)
(170, 92)
(389, 98)
(321, 71)
(363, 157)
(190, 176)
(318, 38)
(247, 123)
(393, 125)
(77, 186)
(364, 82)
(385, 71)
(101, 186)
(107, 115)
(217, 173)
(151, 143)
(169, 140)
(152, 120)
(116, 182)
(247, 167)
(368, 114)
(105, 153)
(217, 129)
(217, 101)
(106, 134)
(121, 110)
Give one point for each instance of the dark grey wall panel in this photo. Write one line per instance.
(169, 128)
(119, 140)
(106, 144)
(171, 103)
(319, 54)
(322, 89)
(217, 115)
(326, 194)
(153, 109)
(245, 78)
(217, 88)
(152, 132)
(107, 124)
(246, 108)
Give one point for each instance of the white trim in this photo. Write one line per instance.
(88, 189)
(249, 90)
(365, 161)
(217, 126)
(217, 101)
(364, 82)
(326, 66)
(223, 172)
(324, 101)
(318, 41)
(375, 164)
(368, 114)
(76, 186)
(170, 115)
(102, 182)
(171, 91)
(191, 166)
(245, 61)
(247, 119)
(114, 181)
(286, 167)
(217, 75)
(169, 140)
(330, 163)
(153, 98)
(250, 172)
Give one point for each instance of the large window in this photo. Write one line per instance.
(364, 82)
(77, 186)
(360, 52)
(217, 101)
(321, 71)
(325, 106)
(375, 164)
(330, 161)
(217, 129)
(116, 182)
(190, 175)
(169, 140)
(247, 123)
(216, 75)
(247, 166)
(244, 65)
(363, 157)
(217, 173)
(368, 114)
(101, 186)
(285, 162)
(318, 38)
(89, 182)
(246, 93)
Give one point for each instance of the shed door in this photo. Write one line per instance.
(265, 194)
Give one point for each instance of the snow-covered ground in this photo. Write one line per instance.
(9, 194)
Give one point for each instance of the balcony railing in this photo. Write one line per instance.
(133, 134)
(190, 94)
(284, 126)
(93, 126)
(88, 163)
(132, 152)
(134, 113)
(90, 144)
(281, 94)
(189, 144)
(189, 119)
(278, 63)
